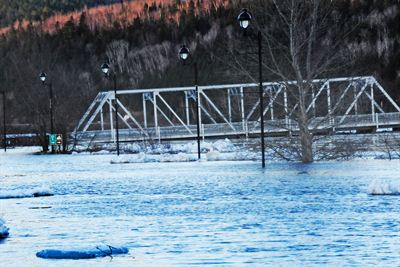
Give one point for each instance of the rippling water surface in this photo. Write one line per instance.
(201, 213)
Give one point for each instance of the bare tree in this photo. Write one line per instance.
(302, 41)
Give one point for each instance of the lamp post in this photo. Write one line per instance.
(43, 77)
(105, 68)
(4, 121)
(244, 19)
(184, 54)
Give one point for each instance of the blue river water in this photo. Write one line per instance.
(201, 213)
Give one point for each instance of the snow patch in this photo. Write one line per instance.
(180, 157)
(3, 229)
(36, 192)
(236, 156)
(380, 187)
(213, 156)
(144, 158)
(76, 254)
(224, 146)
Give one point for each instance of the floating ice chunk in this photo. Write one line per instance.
(132, 148)
(213, 156)
(3, 229)
(144, 158)
(180, 157)
(76, 254)
(224, 146)
(191, 147)
(137, 158)
(380, 187)
(36, 192)
(102, 152)
(235, 156)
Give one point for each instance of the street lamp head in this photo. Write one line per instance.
(43, 77)
(105, 68)
(184, 53)
(244, 18)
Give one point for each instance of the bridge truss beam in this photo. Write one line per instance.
(336, 103)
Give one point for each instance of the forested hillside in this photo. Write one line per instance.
(143, 50)
(34, 10)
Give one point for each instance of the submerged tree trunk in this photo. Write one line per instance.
(306, 139)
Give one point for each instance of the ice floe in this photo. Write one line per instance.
(25, 193)
(381, 187)
(85, 253)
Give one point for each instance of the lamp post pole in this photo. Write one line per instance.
(50, 85)
(184, 54)
(197, 109)
(105, 68)
(244, 19)
(261, 92)
(116, 111)
(4, 121)
(43, 77)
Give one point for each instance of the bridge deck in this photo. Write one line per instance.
(276, 127)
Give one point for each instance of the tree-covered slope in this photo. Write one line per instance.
(14, 10)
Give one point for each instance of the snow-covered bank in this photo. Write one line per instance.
(236, 149)
(3, 229)
(21, 150)
(36, 192)
(381, 187)
(182, 157)
(236, 156)
(225, 150)
(224, 145)
(76, 254)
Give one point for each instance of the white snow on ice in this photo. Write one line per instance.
(236, 156)
(381, 187)
(26, 193)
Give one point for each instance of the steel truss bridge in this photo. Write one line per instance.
(337, 104)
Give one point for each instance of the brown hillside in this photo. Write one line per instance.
(105, 16)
